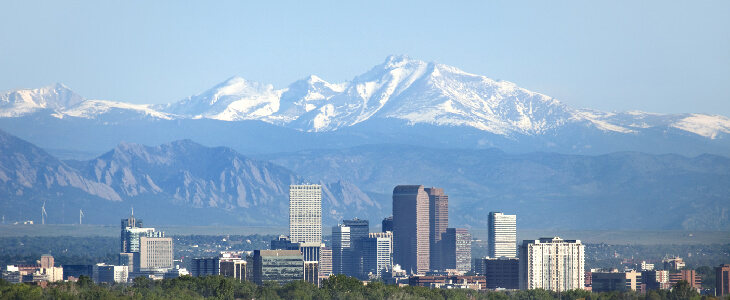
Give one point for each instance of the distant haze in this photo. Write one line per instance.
(657, 56)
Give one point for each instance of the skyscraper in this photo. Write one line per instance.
(132, 222)
(341, 248)
(359, 230)
(131, 242)
(388, 224)
(376, 255)
(411, 228)
(502, 235)
(305, 213)
(438, 221)
(552, 264)
(456, 249)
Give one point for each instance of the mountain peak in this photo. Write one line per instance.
(398, 60)
(24, 101)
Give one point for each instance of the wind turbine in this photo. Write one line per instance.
(81, 214)
(43, 213)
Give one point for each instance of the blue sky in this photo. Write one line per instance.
(656, 56)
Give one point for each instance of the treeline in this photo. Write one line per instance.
(336, 287)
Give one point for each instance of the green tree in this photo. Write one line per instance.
(683, 291)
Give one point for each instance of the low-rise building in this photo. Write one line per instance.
(616, 281)
(103, 273)
(501, 273)
(282, 266)
(437, 281)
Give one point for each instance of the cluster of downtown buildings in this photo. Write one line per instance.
(415, 247)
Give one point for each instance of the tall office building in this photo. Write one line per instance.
(388, 224)
(132, 222)
(387, 234)
(456, 249)
(502, 235)
(131, 244)
(722, 280)
(341, 248)
(359, 231)
(305, 213)
(376, 256)
(552, 264)
(438, 221)
(411, 228)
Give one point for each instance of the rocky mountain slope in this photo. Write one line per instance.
(175, 179)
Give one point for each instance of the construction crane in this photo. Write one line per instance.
(81, 214)
(43, 213)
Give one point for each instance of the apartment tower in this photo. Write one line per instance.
(552, 264)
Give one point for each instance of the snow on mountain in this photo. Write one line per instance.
(704, 125)
(399, 88)
(19, 102)
(365, 96)
(232, 100)
(303, 96)
(92, 109)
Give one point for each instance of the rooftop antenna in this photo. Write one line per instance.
(81, 214)
(43, 213)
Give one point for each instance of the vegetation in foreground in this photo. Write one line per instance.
(336, 287)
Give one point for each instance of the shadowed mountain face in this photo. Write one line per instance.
(616, 191)
(175, 180)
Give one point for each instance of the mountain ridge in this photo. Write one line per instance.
(400, 88)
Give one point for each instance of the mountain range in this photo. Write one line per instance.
(401, 95)
(489, 143)
(185, 183)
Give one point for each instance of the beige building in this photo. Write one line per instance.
(438, 221)
(305, 213)
(154, 253)
(552, 264)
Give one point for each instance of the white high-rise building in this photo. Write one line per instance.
(341, 248)
(502, 235)
(305, 214)
(552, 264)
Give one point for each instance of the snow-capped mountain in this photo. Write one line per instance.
(21, 102)
(401, 88)
(232, 100)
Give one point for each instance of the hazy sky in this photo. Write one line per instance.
(656, 56)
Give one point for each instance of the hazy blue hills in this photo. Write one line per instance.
(183, 182)
(626, 190)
